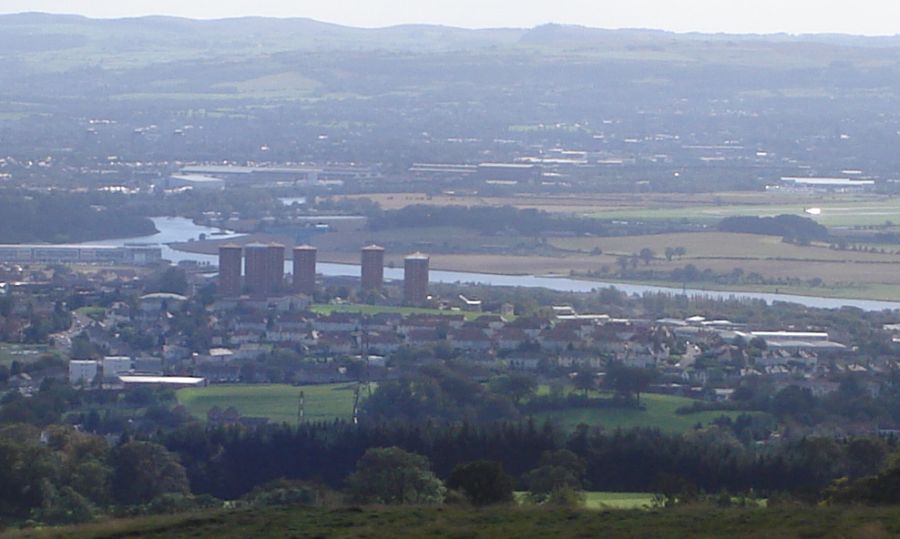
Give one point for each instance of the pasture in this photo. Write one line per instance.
(278, 402)
(659, 412)
(837, 210)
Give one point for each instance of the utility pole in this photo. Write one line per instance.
(300, 408)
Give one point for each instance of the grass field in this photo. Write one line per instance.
(525, 523)
(277, 402)
(22, 353)
(609, 500)
(659, 413)
(618, 500)
(837, 209)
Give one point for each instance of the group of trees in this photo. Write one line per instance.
(790, 227)
(446, 393)
(60, 475)
(59, 217)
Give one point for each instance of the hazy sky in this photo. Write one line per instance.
(873, 17)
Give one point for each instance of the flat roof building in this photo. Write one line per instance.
(256, 269)
(372, 268)
(304, 267)
(415, 279)
(230, 259)
(276, 268)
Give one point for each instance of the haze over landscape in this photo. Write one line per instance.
(865, 17)
(449, 269)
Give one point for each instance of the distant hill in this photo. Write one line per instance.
(40, 33)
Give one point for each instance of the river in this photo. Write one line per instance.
(176, 229)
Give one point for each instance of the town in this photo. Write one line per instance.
(270, 277)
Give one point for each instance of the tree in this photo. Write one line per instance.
(670, 253)
(392, 476)
(483, 482)
(585, 380)
(558, 480)
(647, 255)
(173, 281)
(144, 470)
(628, 381)
(516, 386)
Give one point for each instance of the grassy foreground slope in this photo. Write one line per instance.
(521, 523)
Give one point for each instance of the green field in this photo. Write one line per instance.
(22, 353)
(659, 413)
(530, 522)
(609, 500)
(849, 211)
(277, 402)
(618, 500)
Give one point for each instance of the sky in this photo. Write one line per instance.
(867, 17)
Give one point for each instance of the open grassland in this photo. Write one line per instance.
(833, 214)
(837, 209)
(659, 412)
(587, 202)
(278, 402)
(525, 522)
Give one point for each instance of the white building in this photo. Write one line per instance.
(82, 372)
(113, 366)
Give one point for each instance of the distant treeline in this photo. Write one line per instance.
(66, 217)
(790, 227)
(487, 220)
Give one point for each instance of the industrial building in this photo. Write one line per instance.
(205, 175)
(304, 269)
(372, 270)
(230, 259)
(415, 279)
(130, 253)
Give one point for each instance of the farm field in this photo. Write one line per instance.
(660, 413)
(397, 522)
(575, 203)
(837, 209)
(278, 402)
